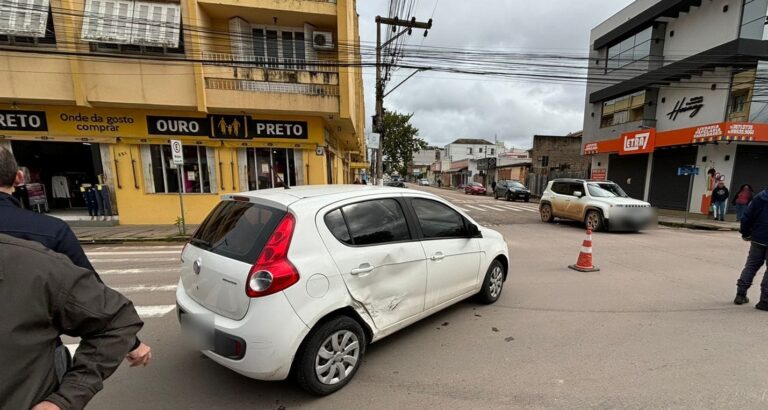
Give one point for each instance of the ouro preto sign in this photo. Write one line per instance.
(16, 120)
(277, 129)
(197, 127)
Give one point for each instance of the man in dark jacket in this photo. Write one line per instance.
(720, 197)
(44, 295)
(53, 233)
(754, 228)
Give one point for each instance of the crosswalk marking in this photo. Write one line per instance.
(147, 312)
(135, 271)
(146, 288)
(492, 207)
(143, 260)
(475, 208)
(133, 253)
(511, 208)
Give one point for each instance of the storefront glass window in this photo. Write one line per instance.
(270, 168)
(753, 19)
(635, 48)
(628, 108)
(195, 175)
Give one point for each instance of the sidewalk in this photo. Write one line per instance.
(122, 234)
(704, 224)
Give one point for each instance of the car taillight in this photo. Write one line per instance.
(273, 272)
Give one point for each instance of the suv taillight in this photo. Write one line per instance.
(273, 272)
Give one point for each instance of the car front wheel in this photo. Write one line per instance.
(594, 221)
(492, 284)
(331, 356)
(546, 213)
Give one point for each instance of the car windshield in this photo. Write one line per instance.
(605, 190)
(516, 185)
(475, 184)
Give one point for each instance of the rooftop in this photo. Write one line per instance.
(472, 141)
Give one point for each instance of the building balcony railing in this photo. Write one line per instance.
(272, 63)
(230, 84)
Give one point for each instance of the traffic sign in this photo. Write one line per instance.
(688, 170)
(176, 151)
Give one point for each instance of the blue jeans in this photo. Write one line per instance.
(719, 210)
(758, 256)
(740, 210)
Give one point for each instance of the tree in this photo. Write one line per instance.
(401, 140)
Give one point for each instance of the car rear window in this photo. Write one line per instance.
(237, 230)
(371, 222)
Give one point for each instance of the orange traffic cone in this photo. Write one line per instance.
(584, 264)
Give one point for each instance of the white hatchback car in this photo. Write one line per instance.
(298, 282)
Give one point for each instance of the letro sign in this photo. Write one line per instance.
(15, 120)
(638, 142)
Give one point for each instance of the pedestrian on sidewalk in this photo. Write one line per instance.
(742, 199)
(43, 295)
(754, 228)
(53, 233)
(720, 196)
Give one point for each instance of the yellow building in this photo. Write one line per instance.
(261, 93)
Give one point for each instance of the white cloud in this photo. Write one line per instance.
(449, 106)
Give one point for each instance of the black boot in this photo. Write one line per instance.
(762, 305)
(740, 300)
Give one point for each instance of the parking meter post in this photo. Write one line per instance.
(688, 203)
(181, 204)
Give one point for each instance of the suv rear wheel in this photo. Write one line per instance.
(594, 221)
(331, 356)
(546, 213)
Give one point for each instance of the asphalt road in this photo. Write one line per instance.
(655, 328)
(486, 210)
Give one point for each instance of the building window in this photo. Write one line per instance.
(280, 47)
(635, 48)
(493, 151)
(469, 151)
(480, 150)
(270, 168)
(753, 19)
(27, 23)
(622, 110)
(195, 174)
(738, 101)
(545, 161)
(133, 26)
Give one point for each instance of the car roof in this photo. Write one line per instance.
(581, 180)
(331, 193)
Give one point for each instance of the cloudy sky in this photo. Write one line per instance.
(448, 106)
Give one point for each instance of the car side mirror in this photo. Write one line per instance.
(473, 231)
(578, 194)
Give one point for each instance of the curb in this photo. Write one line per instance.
(697, 227)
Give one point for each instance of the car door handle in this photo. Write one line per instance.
(364, 268)
(438, 256)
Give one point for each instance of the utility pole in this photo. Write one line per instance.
(378, 120)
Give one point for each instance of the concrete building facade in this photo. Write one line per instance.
(676, 83)
(94, 91)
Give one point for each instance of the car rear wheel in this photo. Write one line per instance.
(594, 221)
(546, 213)
(492, 284)
(331, 356)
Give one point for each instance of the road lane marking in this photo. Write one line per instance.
(148, 312)
(133, 253)
(492, 207)
(476, 208)
(511, 208)
(139, 270)
(143, 260)
(146, 288)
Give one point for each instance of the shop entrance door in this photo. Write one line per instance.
(669, 191)
(270, 168)
(629, 172)
(63, 168)
(750, 168)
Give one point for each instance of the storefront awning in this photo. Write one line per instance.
(635, 142)
(454, 170)
(89, 140)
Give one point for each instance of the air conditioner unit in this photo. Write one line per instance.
(322, 40)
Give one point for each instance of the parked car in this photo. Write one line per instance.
(600, 205)
(395, 182)
(511, 191)
(266, 300)
(424, 182)
(474, 188)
